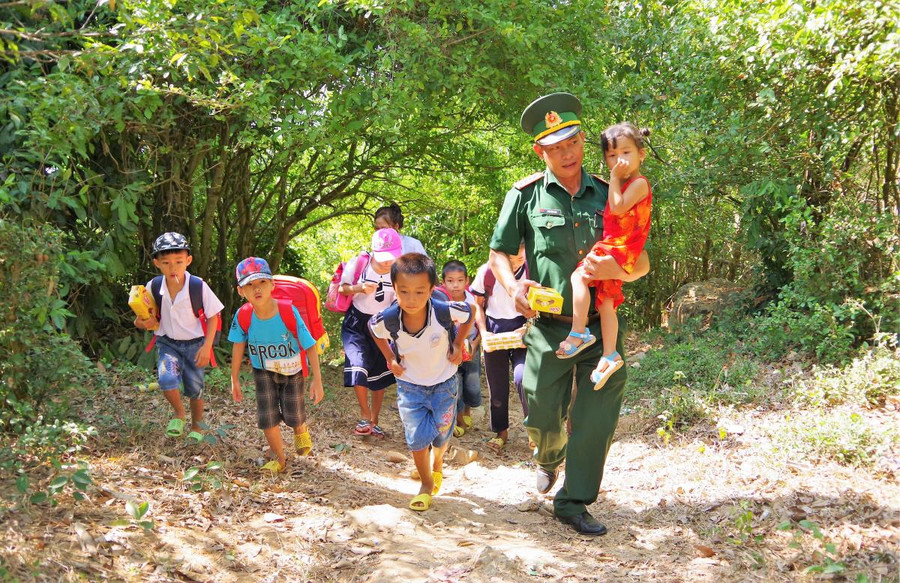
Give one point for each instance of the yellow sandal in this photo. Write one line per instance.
(438, 478)
(273, 466)
(420, 503)
(303, 443)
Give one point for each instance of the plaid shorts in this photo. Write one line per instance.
(279, 398)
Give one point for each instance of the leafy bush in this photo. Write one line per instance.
(41, 360)
(845, 289)
(846, 436)
(866, 381)
(712, 363)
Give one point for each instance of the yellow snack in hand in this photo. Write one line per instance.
(545, 299)
(141, 302)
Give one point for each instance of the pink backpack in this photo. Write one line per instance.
(336, 301)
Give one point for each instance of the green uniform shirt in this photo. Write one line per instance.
(558, 229)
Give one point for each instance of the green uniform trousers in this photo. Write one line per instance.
(595, 414)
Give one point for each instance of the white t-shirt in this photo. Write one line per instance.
(412, 245)
(424, 355)
(500, 305)
(177, 320)
(367, 303)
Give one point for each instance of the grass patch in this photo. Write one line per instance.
(867, 381)
(689, 374)
(843, 435)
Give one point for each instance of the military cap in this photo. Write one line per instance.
(552, 118)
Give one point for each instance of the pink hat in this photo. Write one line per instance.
(386, 245)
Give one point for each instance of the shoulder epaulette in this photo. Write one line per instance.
(528, 180)
(598, 177)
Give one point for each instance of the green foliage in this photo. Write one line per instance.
(41, 361)
(136, 512)
(819, 550)
(867, 381)
(690, 373)
(845, 287)
(200, 478)
(77, 482)
(257, 128)
(848, 437)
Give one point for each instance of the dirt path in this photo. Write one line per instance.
(704, 508)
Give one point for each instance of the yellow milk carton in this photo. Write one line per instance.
(545, 299)
(140, 300)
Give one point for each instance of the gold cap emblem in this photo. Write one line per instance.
(552, 119)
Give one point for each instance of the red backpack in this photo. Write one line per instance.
(335, 301)
(292, 292)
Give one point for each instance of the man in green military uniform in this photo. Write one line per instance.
(558, 213)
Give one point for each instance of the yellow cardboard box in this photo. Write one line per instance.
(545, 299)
(141, 302)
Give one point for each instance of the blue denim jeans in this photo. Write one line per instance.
(175, 366)
(428, 413)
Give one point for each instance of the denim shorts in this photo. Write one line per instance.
(428, 413)
(175, 366)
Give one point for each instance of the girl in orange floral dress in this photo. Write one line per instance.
(626, 223)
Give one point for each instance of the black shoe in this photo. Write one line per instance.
(584, 523)
(546, 479)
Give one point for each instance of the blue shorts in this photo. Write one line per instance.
(428, 413)
(176, 366)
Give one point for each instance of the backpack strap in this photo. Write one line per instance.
(245, 316)
(489, 281)
(442, 312)
(195, 291)
(391, 318)
(156, 292)
(286, 311)
(361, 263)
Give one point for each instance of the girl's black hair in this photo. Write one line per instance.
(454, 265)
(414, 264)
(392, 213)
(611, 135)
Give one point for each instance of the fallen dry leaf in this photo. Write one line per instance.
(704, 551)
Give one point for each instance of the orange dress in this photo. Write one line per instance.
(624, 237)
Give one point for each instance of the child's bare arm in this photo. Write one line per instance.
(203, 354)
(388, 353)
(316, 391)
(621, 202)
(237, 356)
(145, 323)
(363, 287)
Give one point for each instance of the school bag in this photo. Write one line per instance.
(305, 297)
(336, 301)
(391, 318)
(195, 291)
